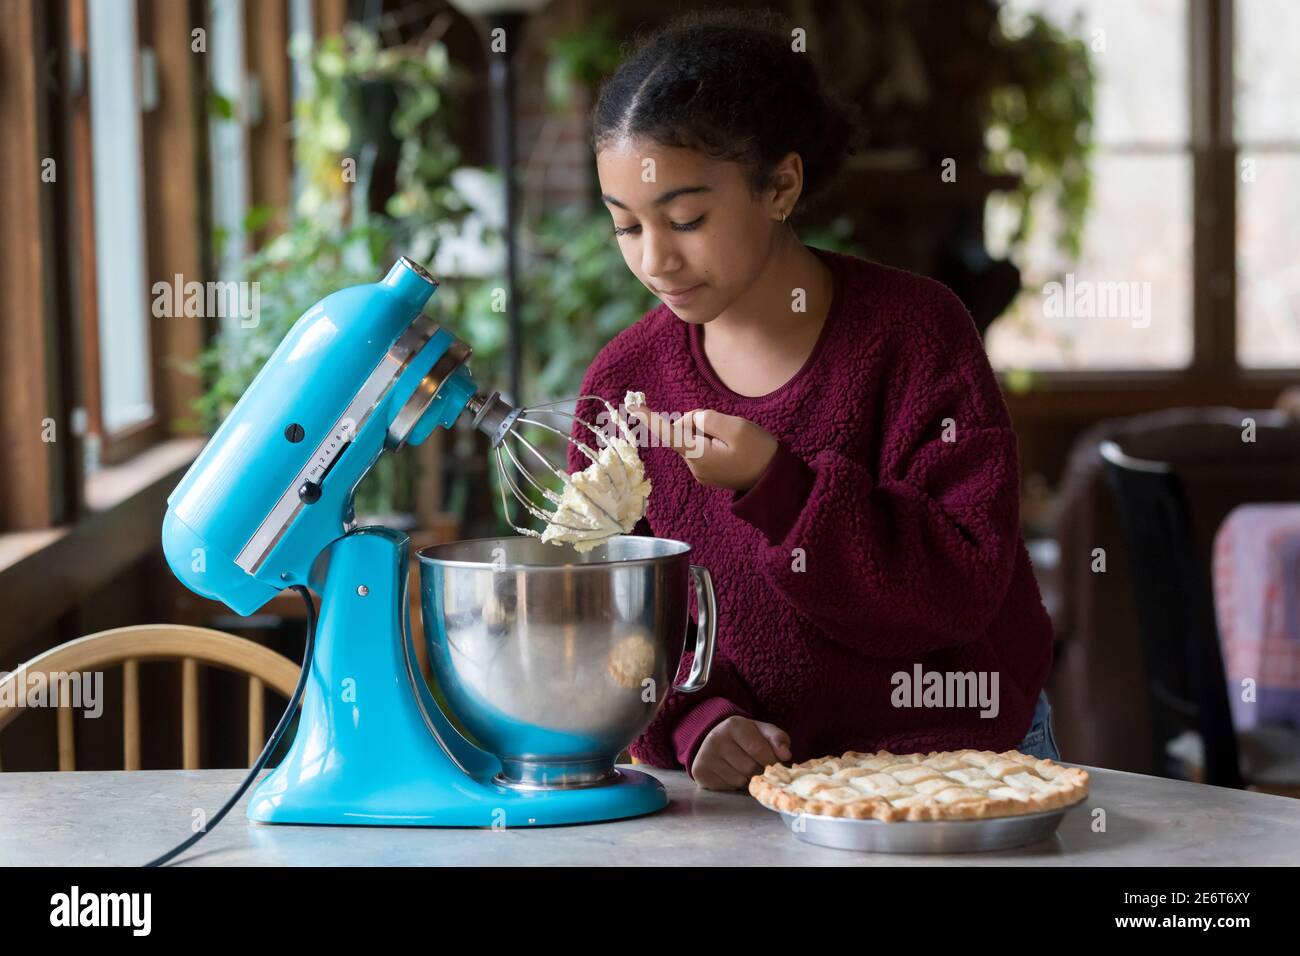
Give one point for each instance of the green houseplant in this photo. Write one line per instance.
(364, 105)
(1040, 124)
(1040, 127)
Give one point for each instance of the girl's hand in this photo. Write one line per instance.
(735, 750)
(722, 451)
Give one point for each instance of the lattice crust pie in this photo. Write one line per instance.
(952, 785)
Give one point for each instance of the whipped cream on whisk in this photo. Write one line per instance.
(606, 498)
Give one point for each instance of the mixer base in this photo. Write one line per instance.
(470, 803)
(372, 746)
(552, 775)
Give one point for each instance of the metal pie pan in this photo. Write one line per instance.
(925, 836)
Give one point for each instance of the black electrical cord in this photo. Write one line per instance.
(270, 744)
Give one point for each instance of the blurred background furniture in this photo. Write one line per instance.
(1257, 602)
(1186, 687)
(1098, 684)
(89, 656)
(1192, 729)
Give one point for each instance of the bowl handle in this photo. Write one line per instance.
(706, 631)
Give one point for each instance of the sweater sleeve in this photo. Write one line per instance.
(673, 737)
(919, 555)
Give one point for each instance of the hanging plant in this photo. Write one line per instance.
(1040, 126)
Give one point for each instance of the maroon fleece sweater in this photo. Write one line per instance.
(884, 534)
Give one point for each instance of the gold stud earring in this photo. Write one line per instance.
(783, 215)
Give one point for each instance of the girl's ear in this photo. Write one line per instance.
(787, 185)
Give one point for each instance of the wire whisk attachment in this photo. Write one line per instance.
(606, 498)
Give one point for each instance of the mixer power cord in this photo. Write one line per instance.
(270, 744)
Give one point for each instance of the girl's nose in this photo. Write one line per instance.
(658, 256)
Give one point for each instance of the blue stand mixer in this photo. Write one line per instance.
(551, 659)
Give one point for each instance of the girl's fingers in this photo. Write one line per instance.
(755, 744)
(721, 764)
(725, 428)
(680, 435)
(726, 779)
(658, 428)
(778, 738)
(740, 764)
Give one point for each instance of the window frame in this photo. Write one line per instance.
(1289, 147)
(120, 444)
(61, 535)
(1214, 375)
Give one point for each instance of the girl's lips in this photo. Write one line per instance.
(679, 298)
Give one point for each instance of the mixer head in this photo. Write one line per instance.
(505, 427)
(363, 372)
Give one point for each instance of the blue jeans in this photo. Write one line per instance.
(1040, 741)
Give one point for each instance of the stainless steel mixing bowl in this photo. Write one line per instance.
(554, 660)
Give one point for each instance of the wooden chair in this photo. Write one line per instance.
(1191, 719)
(130, 645)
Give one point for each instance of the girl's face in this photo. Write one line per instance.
(686, 224)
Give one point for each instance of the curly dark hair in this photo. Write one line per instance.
(728, 83)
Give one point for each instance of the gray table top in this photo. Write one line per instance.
(116, 818)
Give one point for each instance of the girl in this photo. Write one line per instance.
(854, 484)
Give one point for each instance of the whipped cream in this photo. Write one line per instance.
(606, 498)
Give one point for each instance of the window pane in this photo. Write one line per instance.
(1139, 54)
(1127, 302)
(120, 269)
(1268, 262)
(1266, 76)
(229, 137)
(1266, 68)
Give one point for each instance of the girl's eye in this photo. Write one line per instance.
(676, 226)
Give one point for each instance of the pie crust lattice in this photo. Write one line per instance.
(948, 785)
